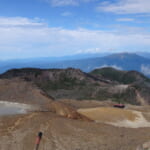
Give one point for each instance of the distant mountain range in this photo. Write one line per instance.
(86, 62)
(144, 54)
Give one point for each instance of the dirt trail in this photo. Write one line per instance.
(60, 133)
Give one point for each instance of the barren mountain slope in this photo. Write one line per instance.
(19, 133)
(18, 90)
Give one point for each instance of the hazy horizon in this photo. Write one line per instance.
(81, 55)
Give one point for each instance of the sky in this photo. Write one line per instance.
(44, 28)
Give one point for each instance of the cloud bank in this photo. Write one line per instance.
(125, 19)
(22, 37)
(61, 3)
(145, 69)
(126, 7)
(20, 21)
(112, 66)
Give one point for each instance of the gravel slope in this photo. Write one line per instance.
(19, 133)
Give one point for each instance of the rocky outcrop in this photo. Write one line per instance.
(67, 111)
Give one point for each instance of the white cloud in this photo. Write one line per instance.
(20, 21)
(60, 3)
(125, 19)
(92, 50)
(126, 7)
(56, 3)
(66, 14)
(20, 38)
(145, 69)
(112, 66)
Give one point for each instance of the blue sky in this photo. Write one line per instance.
(42, 28)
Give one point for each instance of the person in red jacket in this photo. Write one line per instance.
(38, 139)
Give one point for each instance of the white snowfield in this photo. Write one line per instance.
(10, 108)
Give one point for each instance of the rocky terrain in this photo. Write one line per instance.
(77, 123)
(18, 90)
(101, 84)
(18, 132)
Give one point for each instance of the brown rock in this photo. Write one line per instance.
(66, 111)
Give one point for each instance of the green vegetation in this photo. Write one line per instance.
(63, 83)
(119, 76)
(109, 73)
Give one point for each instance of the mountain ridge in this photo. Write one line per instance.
(74, 84)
